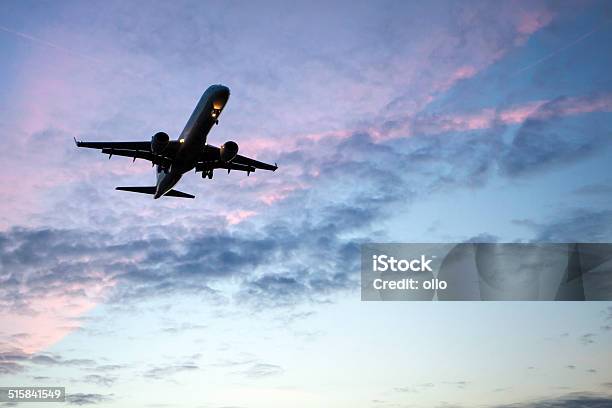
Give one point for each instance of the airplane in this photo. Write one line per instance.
(190, 151)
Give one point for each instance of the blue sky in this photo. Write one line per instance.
(390, 121)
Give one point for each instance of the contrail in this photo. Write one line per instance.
(49, 44)
(552, 54)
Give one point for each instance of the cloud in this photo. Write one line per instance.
(583, 400)
(579, 225)
(236, 217)
(32, 263)
(573, 400)
(423, 387)
(10, 367)
(183, 328)
(14, 360)
(531, 21)
(261, 370)
(108, 367)
(234, 363)
(50, 360)
(458, 384)
(596, 189)
(102, 380)
(11, 360)
(86, 399)
(163, 372)
(547, 138)
(587, 338)
(542, 110)
(250, 367)
(415, 388)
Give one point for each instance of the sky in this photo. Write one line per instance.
(390, 122)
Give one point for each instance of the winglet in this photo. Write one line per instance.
(77, 143)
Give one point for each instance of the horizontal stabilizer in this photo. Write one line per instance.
(143, 190)
(151, 190)
(176, 193)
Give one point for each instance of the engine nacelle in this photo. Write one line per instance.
(228, 151)
(159, 142)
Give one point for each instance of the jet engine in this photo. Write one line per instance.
(228, 151)
(159, 142)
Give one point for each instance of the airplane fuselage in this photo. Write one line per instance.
(193, 137)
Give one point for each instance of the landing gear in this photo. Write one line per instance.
(215, 115)
(207, 173)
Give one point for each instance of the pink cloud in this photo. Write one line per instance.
(434, 124)
(461, 73)
(51, 315)
(279, 193)
(531, 21)
(576, 106)
(518, 114)
(556, 108)
(236, 217)
(490, 117)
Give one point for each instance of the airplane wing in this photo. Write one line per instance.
(245, 161)
(135, 150)
(210, 159)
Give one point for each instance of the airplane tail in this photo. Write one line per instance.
(151, 190)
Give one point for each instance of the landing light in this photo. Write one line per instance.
(181, 140)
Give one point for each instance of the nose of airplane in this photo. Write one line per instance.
(218, 89)
(222, 91)
(220, 95)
